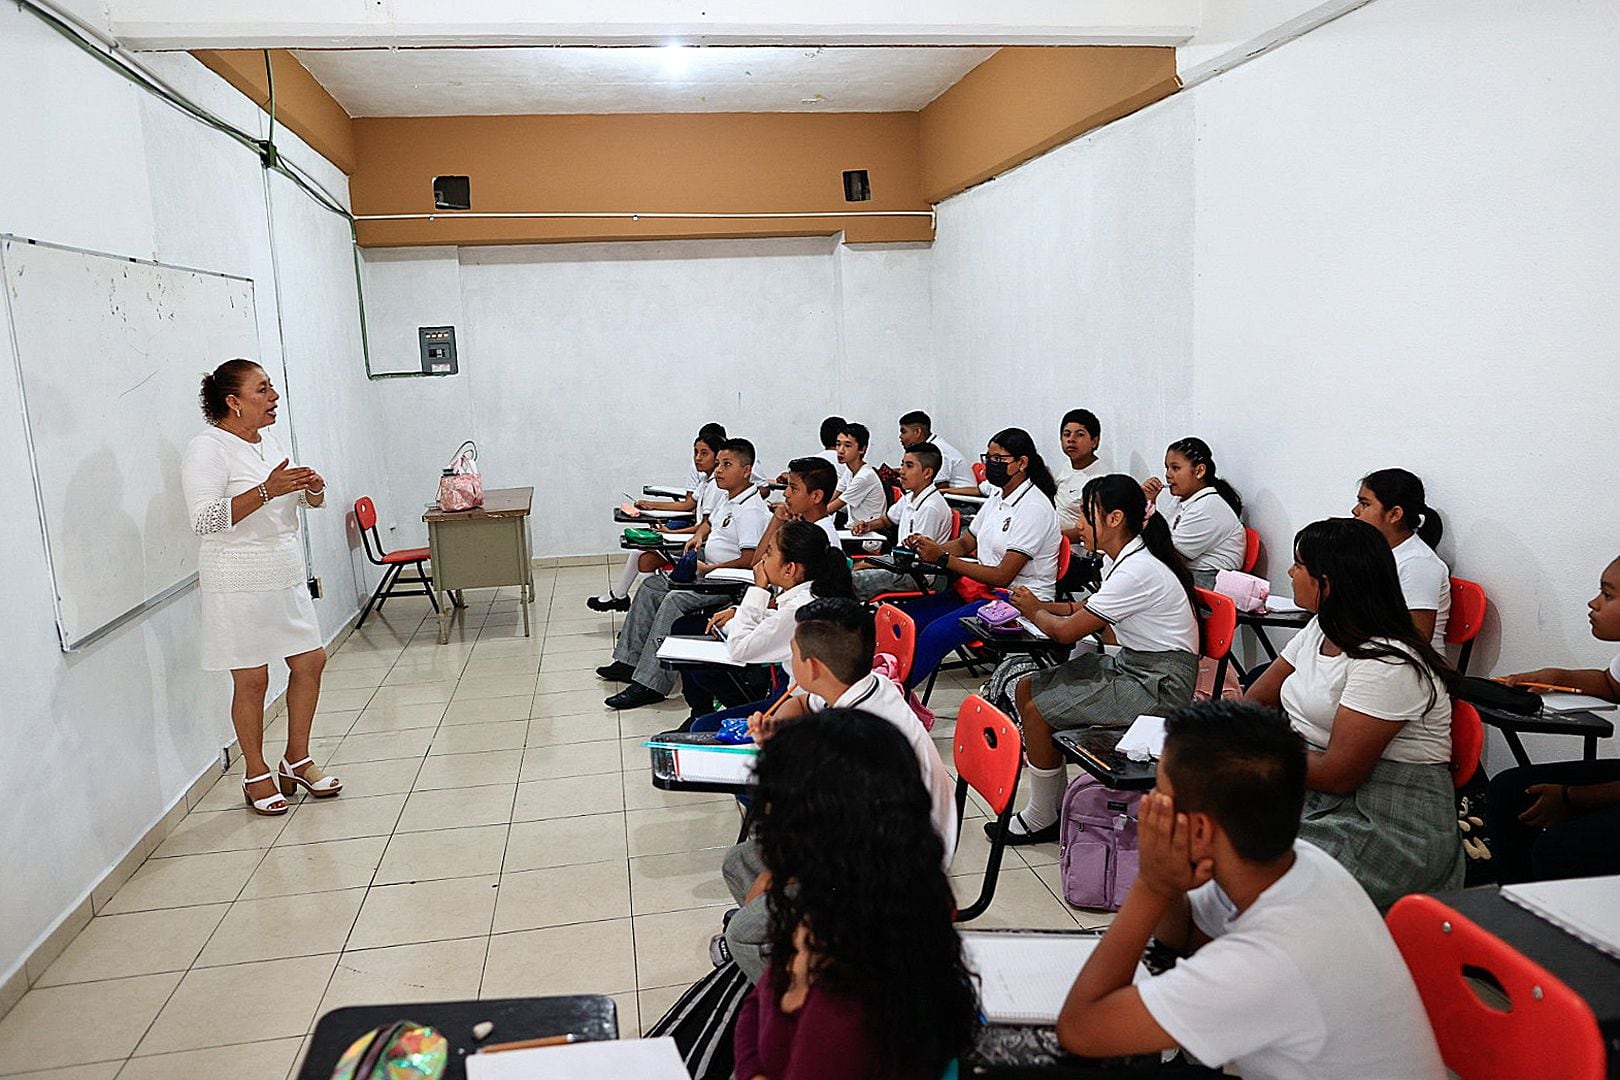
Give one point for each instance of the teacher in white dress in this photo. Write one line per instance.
(244, 495)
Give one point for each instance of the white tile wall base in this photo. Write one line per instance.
(67, 928)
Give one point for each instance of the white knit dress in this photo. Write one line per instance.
(256, 607)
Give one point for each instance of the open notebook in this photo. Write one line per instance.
(1025, 977)
(645, 1059)
(1589, 908)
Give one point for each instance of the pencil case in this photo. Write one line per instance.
(1495, 695)
(643, 536)
(1000, 617)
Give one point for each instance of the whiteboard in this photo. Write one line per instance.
(110, 352)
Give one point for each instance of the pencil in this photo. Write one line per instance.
(1547, 688)
(530, 1044)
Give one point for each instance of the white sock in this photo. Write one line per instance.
(627, 579)
(1046, 787)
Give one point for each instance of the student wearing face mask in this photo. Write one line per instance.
(1013, 541)
(1204, 522)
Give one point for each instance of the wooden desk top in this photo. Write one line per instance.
(498, 503)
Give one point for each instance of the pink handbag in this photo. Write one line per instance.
(1250, 593)
(460, 487)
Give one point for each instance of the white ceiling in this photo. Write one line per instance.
(523, 81)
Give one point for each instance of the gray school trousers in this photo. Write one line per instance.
(652, 614)
(749, 930)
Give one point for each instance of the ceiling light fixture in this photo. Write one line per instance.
(676, 58)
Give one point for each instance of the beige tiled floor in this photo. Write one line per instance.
(497, 837)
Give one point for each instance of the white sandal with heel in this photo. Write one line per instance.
(271, 805)
(319, 785)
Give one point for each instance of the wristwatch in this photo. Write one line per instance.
(944, 560)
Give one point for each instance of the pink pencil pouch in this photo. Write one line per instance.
(1000, 617)
(1248, 592)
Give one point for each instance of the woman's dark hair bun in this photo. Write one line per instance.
(220, 384)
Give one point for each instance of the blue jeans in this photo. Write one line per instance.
(1587, 845)
(939, 630)
(713, 720)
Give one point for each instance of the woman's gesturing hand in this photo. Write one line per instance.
(284, 480)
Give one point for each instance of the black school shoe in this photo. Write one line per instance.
(634, 696)
(612, 603)
(1046, 835)
(618, 671)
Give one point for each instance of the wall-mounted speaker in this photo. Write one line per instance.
(857, 186)
(452, 193)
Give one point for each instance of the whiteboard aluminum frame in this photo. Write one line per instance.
(151, 602)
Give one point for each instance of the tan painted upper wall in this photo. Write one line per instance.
(1025, 100)
(704, 162)
(302, 104)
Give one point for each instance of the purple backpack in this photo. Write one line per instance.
(1097, 839)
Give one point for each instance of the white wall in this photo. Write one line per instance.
(587, 365)
(102, 742)
(1391, 242)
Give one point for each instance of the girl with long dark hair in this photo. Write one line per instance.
(1013, 541)
(1392, 501)
(1369, 694)
(1205, 522)
(866, 979)
(1146, 605)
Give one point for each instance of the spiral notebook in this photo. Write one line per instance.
(1024, 977)
(1588, 908)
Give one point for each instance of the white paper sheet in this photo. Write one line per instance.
(1589, 908)
(1144, 739)
(1556, 702)
(1025, 977)
(696, 650)
(645, 1059)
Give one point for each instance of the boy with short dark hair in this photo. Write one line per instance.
(1292, 972)
(922, 509)
(727, 538)
(1080, 434)
(954, 471)
(811, 485)
(861, 492)
(833, 644)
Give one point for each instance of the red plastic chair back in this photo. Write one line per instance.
(897, 636)
(1217, 624)
(1467, 612)
(956, 524)
(1547, 1029)
(988, 752)
(1251, 550)
(1467, 742)
(365, 512)
(978, 471)
(1065, 554)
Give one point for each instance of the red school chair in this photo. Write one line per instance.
(1217, 630)
(978, 471)
(988, 754)
(1466, 620)
(1467, 743)
(897, 636)
(1546, 1030)
(1251, 550)
(365, 515)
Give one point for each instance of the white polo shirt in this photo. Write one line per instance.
(1318, 685)
(708, 495)
(736, 524)
(863, 495)
(1071, 483)
(1207, 533)
(1425, 583)
(877, 695)
(825, 522)
(1614, 669)
(1144, 603)
(1304, 984)
(927, 513)
(1024, 522)
(954, 470)
(761, 633)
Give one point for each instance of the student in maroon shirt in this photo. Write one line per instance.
(866, 980)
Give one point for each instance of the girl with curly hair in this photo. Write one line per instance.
(866, 978)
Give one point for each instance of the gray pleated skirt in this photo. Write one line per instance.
(1112, 690)
(1396, 833)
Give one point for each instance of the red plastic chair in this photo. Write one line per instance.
(988, 753)
(1251, 549)
(897, 636)
(365, 515)
(1467, 742)
(1466, 620)
(956, 524)
(1217, 630)
(1546, 1030)
(978, 471)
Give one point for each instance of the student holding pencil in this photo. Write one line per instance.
(1562, 820)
